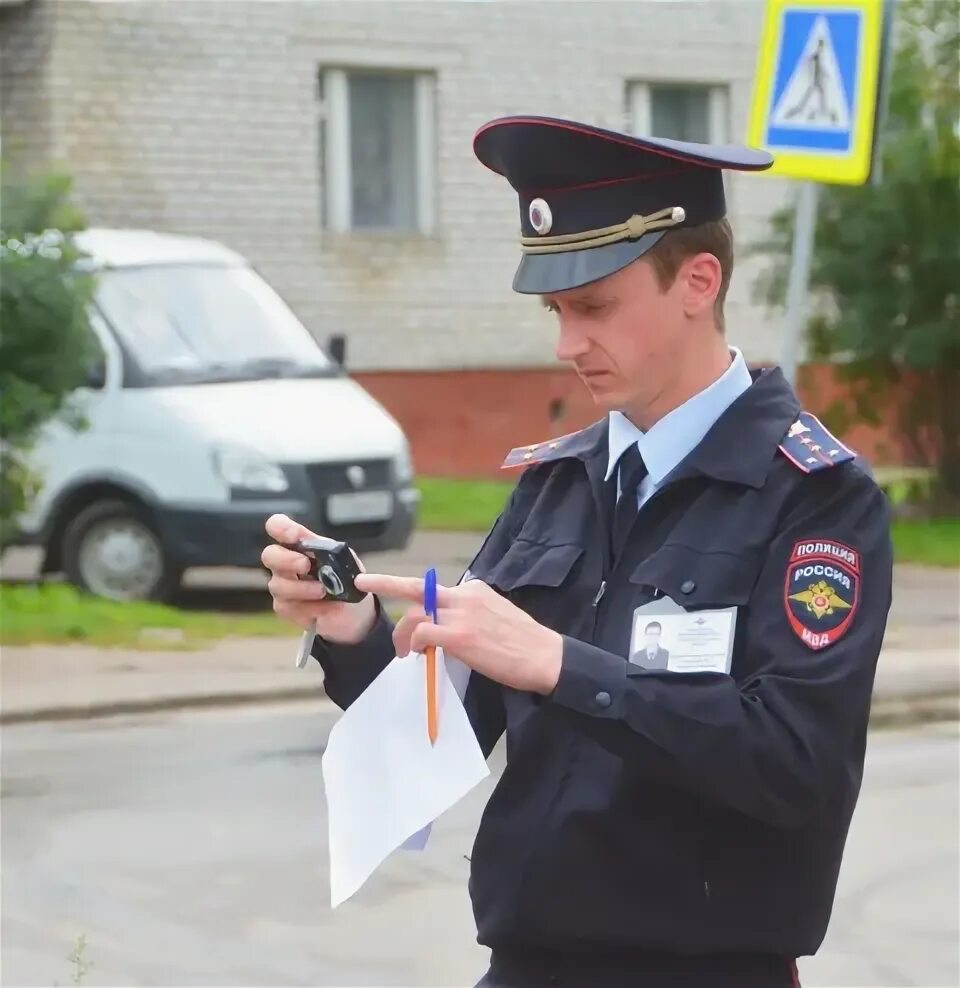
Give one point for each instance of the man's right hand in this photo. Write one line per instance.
(302, 601)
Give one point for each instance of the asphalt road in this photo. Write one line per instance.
(190, 849)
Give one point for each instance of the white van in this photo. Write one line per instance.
(212, 408)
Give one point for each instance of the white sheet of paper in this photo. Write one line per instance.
(383, 779)
(688, 641)
(459, 676)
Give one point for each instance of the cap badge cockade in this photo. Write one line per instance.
(541, 219)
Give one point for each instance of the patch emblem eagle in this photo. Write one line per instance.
(821, 593)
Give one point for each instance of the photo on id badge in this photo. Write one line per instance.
(668, 638)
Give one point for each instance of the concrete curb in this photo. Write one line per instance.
(887, 711)
(120, 708)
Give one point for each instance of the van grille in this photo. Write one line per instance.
(332, 478)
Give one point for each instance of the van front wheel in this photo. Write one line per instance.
(111, 550)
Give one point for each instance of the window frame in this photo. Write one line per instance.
(336, 186)
(639, 105)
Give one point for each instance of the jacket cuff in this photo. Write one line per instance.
(592, 681)
(379, 639)
(349, 669)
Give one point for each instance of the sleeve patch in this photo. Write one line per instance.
(821, 593)
(810, 446)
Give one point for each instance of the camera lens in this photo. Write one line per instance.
(331, 581)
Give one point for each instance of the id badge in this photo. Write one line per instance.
(667, 638)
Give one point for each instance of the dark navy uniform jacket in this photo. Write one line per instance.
(655, 823)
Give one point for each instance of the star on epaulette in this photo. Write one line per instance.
(810, 446)
(525, 456)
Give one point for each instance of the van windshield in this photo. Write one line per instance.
(196, 324)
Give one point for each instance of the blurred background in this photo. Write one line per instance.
(248, 264)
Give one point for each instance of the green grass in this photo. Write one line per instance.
(57, 613)
(932, 542)
(461, 505)
(906, 485)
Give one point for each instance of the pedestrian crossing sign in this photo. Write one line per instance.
(816, 90)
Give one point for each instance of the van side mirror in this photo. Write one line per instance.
(96, 376)
(337, 348)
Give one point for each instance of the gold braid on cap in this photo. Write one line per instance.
(633, 229)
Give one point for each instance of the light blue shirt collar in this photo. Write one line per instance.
(679, 432)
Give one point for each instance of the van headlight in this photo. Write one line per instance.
(403, 464)
(249, 471)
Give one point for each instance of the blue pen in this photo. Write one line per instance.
(430, 594)
(430, 653)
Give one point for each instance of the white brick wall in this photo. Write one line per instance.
(26, 32)
(200, 117)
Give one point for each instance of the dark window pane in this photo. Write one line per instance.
(383, 151)
(681, 113)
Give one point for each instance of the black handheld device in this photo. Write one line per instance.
(333, 564)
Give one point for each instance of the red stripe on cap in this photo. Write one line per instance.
(609, 181)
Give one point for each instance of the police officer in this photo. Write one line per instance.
(660, 824)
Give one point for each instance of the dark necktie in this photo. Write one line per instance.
(632, 471)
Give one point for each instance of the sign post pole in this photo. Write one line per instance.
(804, 231)
(817, 100)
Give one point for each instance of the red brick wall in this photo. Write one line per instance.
(462, 423)
(819, 388)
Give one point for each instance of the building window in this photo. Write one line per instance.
(378, 148)
(679, 112)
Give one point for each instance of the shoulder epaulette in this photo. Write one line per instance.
(552, 449)
(810, 446)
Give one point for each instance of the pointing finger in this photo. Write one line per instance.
(399, 588)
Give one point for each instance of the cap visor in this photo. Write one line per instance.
(544, 274)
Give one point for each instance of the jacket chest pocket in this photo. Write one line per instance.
(698, 580)
(544, 580)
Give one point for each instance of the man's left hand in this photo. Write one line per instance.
(478, 626)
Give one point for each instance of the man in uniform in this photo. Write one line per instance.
(652, 827)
